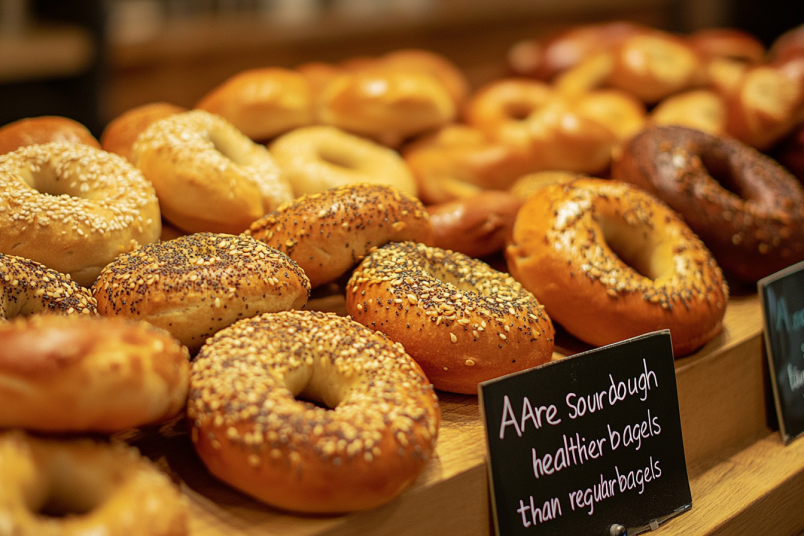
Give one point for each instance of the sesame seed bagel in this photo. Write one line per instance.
(28, 287)
(317, 158)
(89, 374)
(462, 321)
(747, 209)
(610, 262)
(329, 232)
(74, 208)
(197, 284)
(207, 174)
(311, 412)
(82, 486)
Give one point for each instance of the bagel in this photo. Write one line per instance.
(462, 321)
(746, 208)
(74, 208)
(459, 161)
(311, 412)
(317, 158)
(82, 486)
(44, 129)
(329, 232)
(262, 103)
(89, 374)
(122, 132)
(197, 284)
(209, 176)
(386, 105)
(476, 226)
(28, 287)
(610, 262)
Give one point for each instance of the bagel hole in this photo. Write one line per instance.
(635, 247)
(316, 386)
(70, 497)
(47, 182)
(719, 168)
(228, 148)
(518, 111)
(336, 158)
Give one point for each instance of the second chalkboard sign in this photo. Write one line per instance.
(588, 443)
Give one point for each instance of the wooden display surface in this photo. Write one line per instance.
(737, 464)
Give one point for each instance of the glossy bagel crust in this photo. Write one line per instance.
(264, 102)
(370, 435)
(85, 487)
(610, 262)
(462, 321)
(28, 287)
(44, 129)
(197, 284)
(74, 208)
(329, 232)
(746, 208)
(477, 226)
(89, 374)
(122, 132)
(207, 174)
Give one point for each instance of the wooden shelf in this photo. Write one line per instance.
(41, 52)
(737, 464)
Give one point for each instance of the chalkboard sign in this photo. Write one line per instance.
(584, 444)
(782, 296)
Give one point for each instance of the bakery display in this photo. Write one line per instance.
(74, 208)
(28, 287)
(329, 232)
(260, 399)
(610, 262)
(370, 187)
(195, 285)
(207, 174)
(746, 208)
(460, 319)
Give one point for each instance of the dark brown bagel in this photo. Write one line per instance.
(746, 208)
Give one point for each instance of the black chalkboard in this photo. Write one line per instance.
(560, 421)
(782, 296)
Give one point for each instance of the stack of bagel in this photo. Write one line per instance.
(614, 182)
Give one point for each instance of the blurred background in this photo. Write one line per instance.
(93, 59)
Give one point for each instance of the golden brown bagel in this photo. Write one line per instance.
(208, 175)
(462, 321)
(316, 158)
(311, 412)
(197, 284)
(120, 134)
(386, 105)
(44, 129)
(477, 226)
(329, 232)
(610, 262)
(81, 486)
(89, 374)
(263, 103)
(28, 287)
(74, 208)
